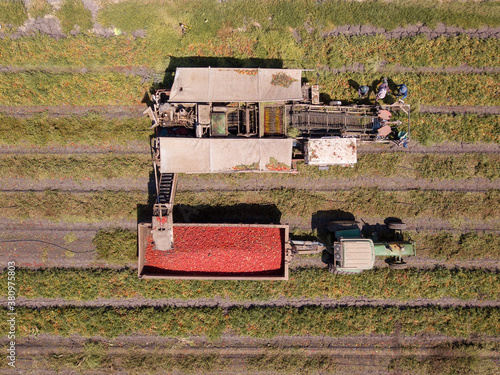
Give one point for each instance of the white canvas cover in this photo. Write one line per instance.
(215, 155)
(358, 254)
(331, 151)
(204, 85)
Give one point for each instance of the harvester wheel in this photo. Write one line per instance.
(398, 266)
(397, 226)
(332, 268)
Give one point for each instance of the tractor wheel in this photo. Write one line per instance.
(341, 223)
(398, 266)
(332, 268)
(397, 226)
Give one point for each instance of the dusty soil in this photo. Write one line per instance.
(254, 183)
(355, 354)
(227, 304)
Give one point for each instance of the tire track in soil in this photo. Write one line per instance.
(143, 148)
(193, 185)
(226, 304)
(357, 354)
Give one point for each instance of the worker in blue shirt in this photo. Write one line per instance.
(363, 91)
(402, 91)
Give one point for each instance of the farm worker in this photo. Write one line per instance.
(402, 91)
(363, 91)
(382, 90)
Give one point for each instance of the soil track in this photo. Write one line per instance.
(252, 184)
(364, 355)
(227, 305)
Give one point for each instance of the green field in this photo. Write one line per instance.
(310, 283)
(111, 322)
(361, 202)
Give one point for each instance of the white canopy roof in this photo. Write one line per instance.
(195, 85)
(213, 155)
(331, 151)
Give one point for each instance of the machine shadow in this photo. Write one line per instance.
(211, 61)
(231, 214)
(145, 211)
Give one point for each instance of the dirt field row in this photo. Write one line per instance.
(251, 184)
(375, 354)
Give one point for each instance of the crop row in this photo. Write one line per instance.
(94, 130)
(38, 88)
(202, 15)
(437, 89)
(310, 283)
(90, 130)
(256, 321)
(411, 166)
(213, 206)
(310, 51)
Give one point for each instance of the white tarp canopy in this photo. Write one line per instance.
(195, 85)
(331, 151)
(214, 155)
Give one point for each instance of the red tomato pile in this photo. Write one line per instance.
(220, 250)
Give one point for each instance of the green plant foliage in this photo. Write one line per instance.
(12, 12)
(82, 50)
(449, 246)
(93, 129)
(75, 167)
(122, 252)
(428, 128)
(309, 283)
(38, 88)
(257, 321)
(292, 203)
(73, 13)
(39, 9)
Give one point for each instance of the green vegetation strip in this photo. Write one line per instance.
(401, 165)
(76, 167)
(311, 50)
(272, 204)
(436, 89)
(256, 322)
(310, 283)
(36, 88)
(95, 130)
(90, 130)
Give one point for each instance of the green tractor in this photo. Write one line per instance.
(349, 252)
(352, 253)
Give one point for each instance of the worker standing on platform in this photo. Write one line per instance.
(382, 90)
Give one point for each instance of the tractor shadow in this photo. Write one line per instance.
(325, 222)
